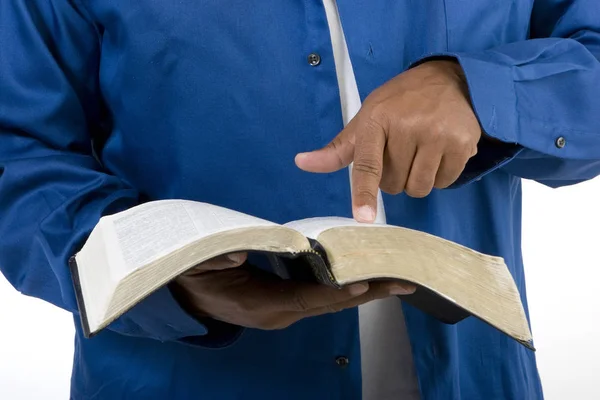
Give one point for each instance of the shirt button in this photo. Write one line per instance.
(342, 361)
(314, 59)
(560, 142)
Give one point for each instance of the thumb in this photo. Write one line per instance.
(338, 154)
(232, 260)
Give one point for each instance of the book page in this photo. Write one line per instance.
(312, 227)
(147, 232)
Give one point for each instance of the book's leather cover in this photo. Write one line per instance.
(79, 296)
(314, 267)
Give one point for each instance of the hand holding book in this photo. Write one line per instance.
(226, 289)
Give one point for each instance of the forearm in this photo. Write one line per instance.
(52, 189)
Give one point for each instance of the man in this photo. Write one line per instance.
(105, 104)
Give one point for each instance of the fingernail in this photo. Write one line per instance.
(236, 258)
(301, 156)
(365, 214)
(401, 290)
(358, 288)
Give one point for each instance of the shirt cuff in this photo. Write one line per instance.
(161, 317)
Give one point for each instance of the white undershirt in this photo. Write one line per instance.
(386, 358)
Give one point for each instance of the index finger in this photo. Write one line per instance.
(367, 170)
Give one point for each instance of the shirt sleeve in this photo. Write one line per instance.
(53, 190)
(539, 98)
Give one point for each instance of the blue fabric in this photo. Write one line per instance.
(108, 103)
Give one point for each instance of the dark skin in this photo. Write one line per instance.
(242, 296)
(414, 133)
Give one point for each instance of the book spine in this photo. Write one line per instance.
(83, 316)
(309, 265)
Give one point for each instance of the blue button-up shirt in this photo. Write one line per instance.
(108, 103)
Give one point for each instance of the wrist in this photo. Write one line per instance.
(450, 68)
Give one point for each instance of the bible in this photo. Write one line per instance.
(131, 254)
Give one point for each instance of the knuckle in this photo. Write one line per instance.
(366, 195)
(391, 188)
(474, 150)
(437, 131)
(377, 115)
(422, 180)
(418, 193)
(419, 187)
(300, 303)
(437, 128)
(369, 166)
(464, 142)
(335, 144)
(442, 183)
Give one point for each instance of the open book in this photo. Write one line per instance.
(131, 254)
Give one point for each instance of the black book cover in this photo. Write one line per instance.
(79, 296)
(314, 267)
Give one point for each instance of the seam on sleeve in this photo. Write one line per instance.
(86, 13)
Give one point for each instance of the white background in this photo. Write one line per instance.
(560, 244)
